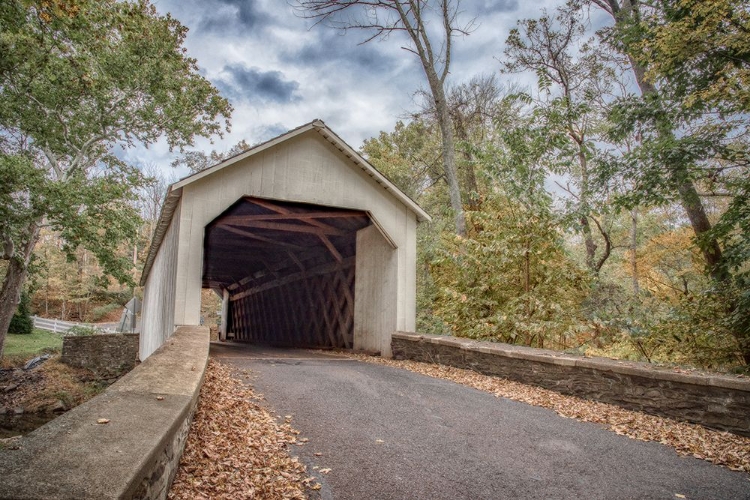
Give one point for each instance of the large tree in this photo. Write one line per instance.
(77, 79)
(691, 60)
(432, 45)
(669, 160)
(573, 82)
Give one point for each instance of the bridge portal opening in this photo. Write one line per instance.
(286, 272)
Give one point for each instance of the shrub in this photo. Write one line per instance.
(81, 331)
(21, 323)
(510, 280)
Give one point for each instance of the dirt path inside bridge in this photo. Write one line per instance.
(378, 432)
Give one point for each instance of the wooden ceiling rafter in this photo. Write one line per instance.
(331, 248)
(298, 262)
(324, 269)
(294, 228)
(294, 260)
(240, 219)
(274, 240)
(254, 236)
(323, 229)
(274, 272)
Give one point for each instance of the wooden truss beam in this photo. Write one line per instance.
(238, 220)
(324, 228)
(254, 236)
(294, 228)
(324, 269)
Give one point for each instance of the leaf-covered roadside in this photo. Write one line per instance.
(235, 448)
(721, 448)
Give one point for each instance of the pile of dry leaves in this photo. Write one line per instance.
(235, 448)
(721, 448)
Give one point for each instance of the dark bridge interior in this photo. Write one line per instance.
(289, 269)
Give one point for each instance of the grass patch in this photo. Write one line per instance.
(20, 348)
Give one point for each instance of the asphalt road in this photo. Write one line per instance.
(387, 433)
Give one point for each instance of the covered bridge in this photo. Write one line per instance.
(304, 240)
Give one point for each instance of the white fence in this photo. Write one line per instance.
(55, 325)
(60, 326)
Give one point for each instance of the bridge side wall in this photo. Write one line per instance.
(158, 314)
(135, 453)
(375, 292)
(314, 311)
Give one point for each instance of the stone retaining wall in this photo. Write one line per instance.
(721, 402)
(125, 443)
(108, 355)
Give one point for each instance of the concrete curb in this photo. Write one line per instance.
(135, 454)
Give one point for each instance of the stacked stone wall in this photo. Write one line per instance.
(713, 400)
(108, 355)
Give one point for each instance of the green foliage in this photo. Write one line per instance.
(733, 231)
(21, 323)
(692, 125)
(679, 317)
(197, 161)
(409, 156)
(574, 80)
(117, 67)
(679, 149)
(701, 48)
(510, 280)
(687, 332)
(78, 79)
(17, 202)
(81, 331)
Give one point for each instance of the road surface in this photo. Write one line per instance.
(387, 433)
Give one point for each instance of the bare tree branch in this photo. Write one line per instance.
(412, 17)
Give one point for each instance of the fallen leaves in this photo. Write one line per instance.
(51, 386)
(235, 448)
(722, 448)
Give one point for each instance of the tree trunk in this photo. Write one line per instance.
(15, 276)
(527, 277)
(693, 207)
(591, 246)
(689, 198)
(449, 154)
(633, 248)
(418, 34)
(470, 176)
(588, 237)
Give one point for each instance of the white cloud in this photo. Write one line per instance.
(308, 73)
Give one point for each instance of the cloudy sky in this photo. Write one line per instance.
(279, 71)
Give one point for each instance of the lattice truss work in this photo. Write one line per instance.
(289, 269)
